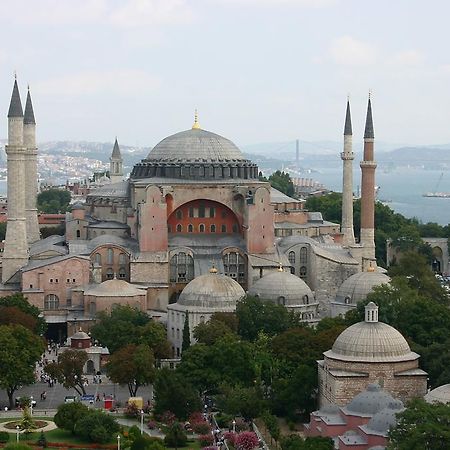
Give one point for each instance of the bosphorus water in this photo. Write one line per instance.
(402, 189)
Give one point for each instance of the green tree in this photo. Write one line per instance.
(53, 201)
(296, 442)
(68, 415)
(186, 333)
(175, 437)
(20, 302)
(174, 393)
(10, 315)
(209, 332)
(144, 442)
(69, 369)
(282, 182)
(20, 349)
(96, 426)
(245, 401)
(422, 426)
(132, 365)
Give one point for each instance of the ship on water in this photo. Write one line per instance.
(436, 193)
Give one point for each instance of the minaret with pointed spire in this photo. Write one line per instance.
(116, 164)
(368, 166)
(31, 177)
(347, 157)
(15, 253)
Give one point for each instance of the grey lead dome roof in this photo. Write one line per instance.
(212, 291)
(359, 285)
(371, 342)
(440, 394)
(195, 145)
(370, 401)
(281, 284)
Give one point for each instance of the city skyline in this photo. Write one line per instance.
(257, 71)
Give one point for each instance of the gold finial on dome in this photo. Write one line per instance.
(196, 125)
(213, 269)
(371, 269)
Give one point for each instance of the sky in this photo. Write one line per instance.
(256, 70)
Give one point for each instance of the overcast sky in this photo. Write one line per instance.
(257, 70)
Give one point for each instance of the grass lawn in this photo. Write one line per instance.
(193, 444)
(57, 435)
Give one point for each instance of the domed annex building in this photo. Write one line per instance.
(355, 289)
(200, 299)
(286, 289)
(362, 424)
(370, 352)
(194, 202)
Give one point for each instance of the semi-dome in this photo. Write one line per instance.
(371, 341)
(195, 154)
(370, 401)
(212, 291)
(195, 145)
(284, 286)
(114, 288)
(440, 394)
(356, 288)
(385, 419)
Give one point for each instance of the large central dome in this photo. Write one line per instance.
(198, 155)
(195, 145)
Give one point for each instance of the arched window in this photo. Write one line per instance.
(109, 256)
(201, 228)
(179, 228)
(306, 299)
(51, 302)
(291, 257)
(303, 255)
(235, 228)
(78, 233)
(234, 266)
(109, 274)
(293, 270)
(347, 300)
(98, 259)
(122, 259)
(281, 301)
(179, 214)
(122, 273)
(202, 319)
(190, 228)
(303, 272)
(181, 268)
(213, 228)
(201, 210)
(224, 228)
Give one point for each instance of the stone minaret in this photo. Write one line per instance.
(368, 166)
(115, 164)
(347, 157)
(15, 254)
(31, 177)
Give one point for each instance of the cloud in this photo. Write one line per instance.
(126, 13)
(278, 3)
(348, 51)
(122, 82)
(408, 58)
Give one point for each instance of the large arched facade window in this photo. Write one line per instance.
(98, 259)
(234, 266)
(303, 255)
(51, 302)
(181, 268)
(291, 257)
(109, 256)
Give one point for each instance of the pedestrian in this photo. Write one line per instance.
(97, 399)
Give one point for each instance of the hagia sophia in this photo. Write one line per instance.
(191, 232)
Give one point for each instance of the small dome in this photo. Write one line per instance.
(212, 290)
(371, 341)
(77, 205)
(358, 286)
(383, 420)
(114, 288)
(370, 401)
(440, 394)
(280, 284)
(80, 334)
(195, 145)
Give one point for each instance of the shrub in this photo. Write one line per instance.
(230, 437)
(224, 420)
(246, 440)
(240, 425)
(4, 436)
(96, 426)
(132, 410)
(151, 424)
(42, 441)
(196, 417)
(147, 443)
(175, 437)
(202, 427)
(68, 415)
(206, 440)
(168, 418)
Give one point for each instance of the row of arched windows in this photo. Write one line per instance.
(303, 256)
(110, 258)
(202, 228)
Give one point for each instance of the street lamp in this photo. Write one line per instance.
(142, 421)
(234, 426)
(118, 442)
(17, 433)
(31, 405)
